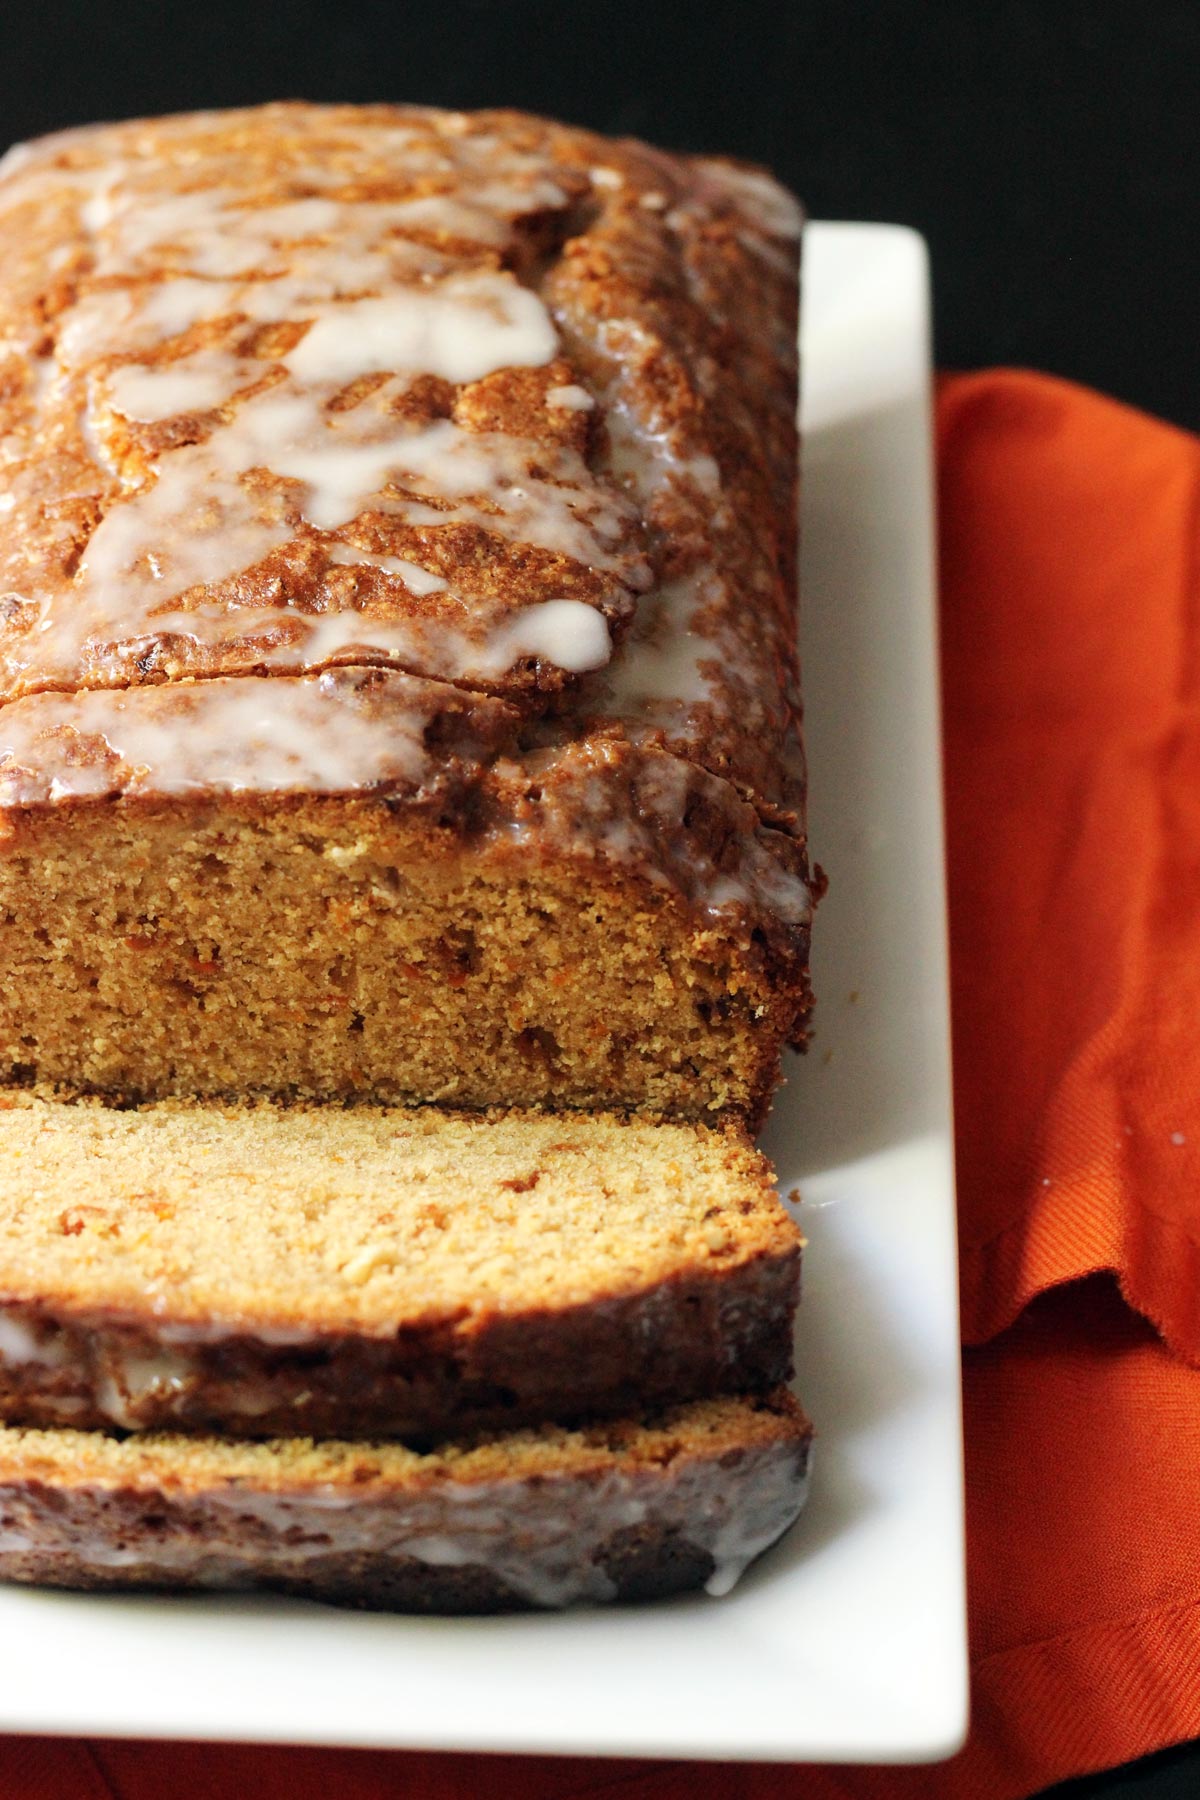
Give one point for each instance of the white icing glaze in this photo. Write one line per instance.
(573, 398)
(505, 197)
(466, 327)
(651, 460)
(229, 735)
(739, 1538)
(564, 632)
(164, 391)
(665, 661)
(420, 581)
(64, 1406)
(689, 656)
(180, 1334)
(345, 462)
(109, 1552)
(15, 158)
(317, 262)
(765, 884)
(439, 1552)
(22, 1341)
(442, 213)
(130, 1377)
(43, 374)
(139, 319)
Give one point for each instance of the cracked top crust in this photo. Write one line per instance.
(482, 400)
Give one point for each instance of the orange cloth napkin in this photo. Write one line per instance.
(1071, 608)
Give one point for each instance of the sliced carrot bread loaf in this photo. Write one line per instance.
(399, 710)
(633, 1509)
(257, 1269)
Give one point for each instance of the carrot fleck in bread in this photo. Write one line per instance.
(398, 691)
(629, 1510)
(351, 1270)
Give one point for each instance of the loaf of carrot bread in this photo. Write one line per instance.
(348, 1270)
(627, 1510)
(398, 690)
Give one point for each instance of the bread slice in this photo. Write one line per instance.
(629, 1510)
(258, 1269)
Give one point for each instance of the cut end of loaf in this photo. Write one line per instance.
(335, 948)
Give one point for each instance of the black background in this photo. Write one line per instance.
(1049, 151)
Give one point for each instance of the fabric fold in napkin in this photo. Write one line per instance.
(1070, 592)
(1071, 582)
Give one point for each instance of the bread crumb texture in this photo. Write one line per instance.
(363, 1218)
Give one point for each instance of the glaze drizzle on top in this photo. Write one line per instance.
(275, 369)
(476, 399)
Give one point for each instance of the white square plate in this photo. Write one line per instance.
(847, 1642)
